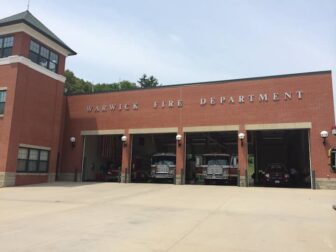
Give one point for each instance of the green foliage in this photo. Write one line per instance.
(146, 82)
(75, 85)
(121, 85)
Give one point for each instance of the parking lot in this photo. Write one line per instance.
(163, 217)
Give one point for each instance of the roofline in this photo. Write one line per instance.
(209, 82)
(72, 52)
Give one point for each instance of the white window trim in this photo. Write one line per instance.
(3, 89)
(34, 147)
(102, 132)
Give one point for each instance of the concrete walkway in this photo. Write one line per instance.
(150, 217)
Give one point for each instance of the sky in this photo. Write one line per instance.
(185, 41)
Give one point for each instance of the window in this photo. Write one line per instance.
(2, 101)
(32, 160)
(43, 56)
(6, 46)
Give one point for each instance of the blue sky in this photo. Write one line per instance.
(190, 41)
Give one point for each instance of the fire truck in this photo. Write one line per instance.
(163, 166)
(218, 167)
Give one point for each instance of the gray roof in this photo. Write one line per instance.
(28, 18)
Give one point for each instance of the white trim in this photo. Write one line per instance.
(153, 130)
(211, 128)
(27, 62)
(32, 174)
(102, 132)
(279, 126)
(22, 27)
(35, 147)
(3, 88)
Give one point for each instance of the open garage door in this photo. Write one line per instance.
(153, 158)
(102, 158)
(279, 158)
(211, 158)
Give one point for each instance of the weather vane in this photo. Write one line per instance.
(28, 2)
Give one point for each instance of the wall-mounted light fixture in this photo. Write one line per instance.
(179, 139)
(324, 134)
(73, 141)
(241, 137)
(333, 130)
(124, 140)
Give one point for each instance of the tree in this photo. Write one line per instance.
(147, 82)
(74, 85)
(124, 85)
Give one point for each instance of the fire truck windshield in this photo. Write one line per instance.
(217, 160)
(164, 160)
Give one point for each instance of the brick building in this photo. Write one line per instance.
(260, 121)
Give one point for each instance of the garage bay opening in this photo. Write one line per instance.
(153, 158)
(279, 158)
(102, 158)
(211, 158)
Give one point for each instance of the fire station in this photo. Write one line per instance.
(262, 131)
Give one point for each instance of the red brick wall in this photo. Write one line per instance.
(316, 107)
(7, 79)
(21, 44)
(31, 179)
(37, 115)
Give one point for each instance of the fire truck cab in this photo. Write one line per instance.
(215, 167)
(163, 166)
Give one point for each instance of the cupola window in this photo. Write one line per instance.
(43, 56)
(6, 46)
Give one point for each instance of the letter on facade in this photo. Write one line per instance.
(112, 107)
(241, 99)
(263, 97)
(251, 98)
(276, 97)
(299, 94)
(222, 99)
(288, 96)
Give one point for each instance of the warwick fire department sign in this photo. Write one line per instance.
(203, 101)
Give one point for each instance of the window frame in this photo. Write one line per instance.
(27, 160)
(3, 90)
(3, 37)
(40, 57)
